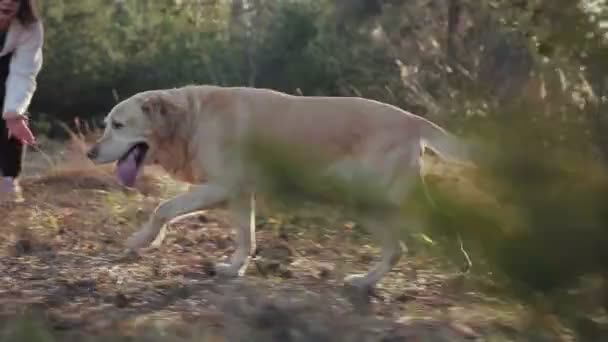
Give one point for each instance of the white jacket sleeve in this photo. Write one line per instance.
(24, 68)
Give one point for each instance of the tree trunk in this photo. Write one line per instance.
(454, 11)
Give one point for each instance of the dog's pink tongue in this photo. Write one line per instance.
(126, 170)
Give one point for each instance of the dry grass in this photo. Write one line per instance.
(70, 168)
(62, 259)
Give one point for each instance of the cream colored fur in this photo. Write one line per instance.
(192, 132)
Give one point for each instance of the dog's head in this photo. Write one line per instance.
(134, 129)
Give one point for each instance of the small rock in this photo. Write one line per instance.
(121, 301)
(273, 266)
(366, 258)
(141, 214)
(283, 235)
(22, 247)
(181, 291)
(223, 242)
(209, 268)
(285, 273)
(324, 272)
(64, 324)
(128, 256)
(202, 218)
(266, 266)
(184, 241)
(281, 252)
(89, 285)
(405, 297)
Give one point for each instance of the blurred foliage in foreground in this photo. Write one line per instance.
(534, 220)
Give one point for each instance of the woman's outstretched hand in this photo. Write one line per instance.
(18, 128)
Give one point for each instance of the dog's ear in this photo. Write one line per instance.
(149, 105)
(164, 113)
(160, 104)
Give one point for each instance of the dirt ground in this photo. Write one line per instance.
(62, 259)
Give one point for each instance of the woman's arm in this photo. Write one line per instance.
(24, 68)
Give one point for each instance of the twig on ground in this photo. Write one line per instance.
(466, 256)
(45, 155)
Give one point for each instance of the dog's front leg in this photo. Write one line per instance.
(201, 197)
(244, 217)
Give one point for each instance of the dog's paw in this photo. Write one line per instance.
(358, 282)
(359, 292)
(139, 240)
(127, 256)
(225, 270)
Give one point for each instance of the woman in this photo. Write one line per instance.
(21, 41)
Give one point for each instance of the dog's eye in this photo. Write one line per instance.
(117, 125)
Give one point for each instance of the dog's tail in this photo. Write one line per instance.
(446, 145)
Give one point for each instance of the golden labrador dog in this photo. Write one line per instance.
(194, 132)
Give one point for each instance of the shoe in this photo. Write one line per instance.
(10, 191)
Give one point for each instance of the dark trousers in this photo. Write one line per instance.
(12, 150)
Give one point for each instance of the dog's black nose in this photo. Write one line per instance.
(93, 152)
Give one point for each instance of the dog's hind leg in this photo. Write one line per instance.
(385, 227)
(392, 249)
(243, 212)
(198, 198)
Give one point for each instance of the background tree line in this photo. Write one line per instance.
(450, 60)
